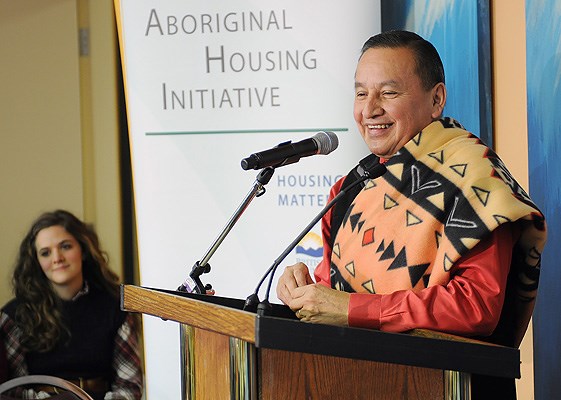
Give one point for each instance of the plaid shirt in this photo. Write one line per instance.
(127, 384)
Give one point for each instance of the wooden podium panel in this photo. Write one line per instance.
(313, 376)
(211, 372)
(231, 353)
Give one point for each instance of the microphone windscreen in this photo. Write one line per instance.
(326, 142)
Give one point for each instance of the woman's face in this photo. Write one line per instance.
(60, 257)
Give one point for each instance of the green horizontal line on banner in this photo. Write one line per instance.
(244, 131)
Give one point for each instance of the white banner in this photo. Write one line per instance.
(208, 83)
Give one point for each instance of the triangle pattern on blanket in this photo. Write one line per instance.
(389, 203)
(399, 261)
(460, 169)
(396, 170)
(388, 252)
(355, 221)
(437, 196)
(351, 268)
(482, 194)
(416, 272)
(445, 198)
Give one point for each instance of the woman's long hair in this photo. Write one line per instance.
(39, 309)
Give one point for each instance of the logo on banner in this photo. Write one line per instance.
(310, 250)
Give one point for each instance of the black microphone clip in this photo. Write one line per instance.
(371, 167)
(193, 283)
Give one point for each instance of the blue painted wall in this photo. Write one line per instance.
(459, 29)
(460, 32)
(543, 68)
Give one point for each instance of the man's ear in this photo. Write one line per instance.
(438, 99)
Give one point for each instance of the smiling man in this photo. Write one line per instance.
(445, 240)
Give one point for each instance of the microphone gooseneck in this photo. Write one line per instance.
(368, 168)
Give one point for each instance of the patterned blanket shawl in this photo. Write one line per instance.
(443, 193)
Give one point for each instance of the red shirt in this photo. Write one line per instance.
(469, 304)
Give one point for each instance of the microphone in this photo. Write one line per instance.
(289, 153)
(368, 168)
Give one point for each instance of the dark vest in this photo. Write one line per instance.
(93, 320)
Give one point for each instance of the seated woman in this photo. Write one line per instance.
(65, 319)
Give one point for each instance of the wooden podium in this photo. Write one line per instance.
(229, 353)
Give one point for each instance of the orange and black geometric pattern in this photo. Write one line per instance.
(444, 191)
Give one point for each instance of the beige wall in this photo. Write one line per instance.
(58, 137)
(58, 120)
(510, 124)
(40, 143)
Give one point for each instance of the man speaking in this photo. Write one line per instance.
(445, 240)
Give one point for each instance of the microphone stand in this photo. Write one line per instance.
(193, 283)
(370, 169)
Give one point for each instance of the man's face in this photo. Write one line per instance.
(391, 106)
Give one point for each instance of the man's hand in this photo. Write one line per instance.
(312, 302)
(294, 276)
